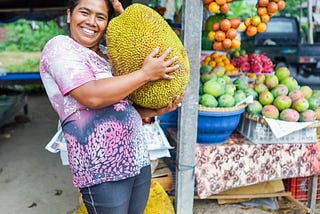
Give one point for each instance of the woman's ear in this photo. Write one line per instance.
(68, 16)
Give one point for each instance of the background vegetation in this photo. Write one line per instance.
(26, 38)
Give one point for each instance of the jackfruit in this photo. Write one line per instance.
(134, 34)
(158, 201)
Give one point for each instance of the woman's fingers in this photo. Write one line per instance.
(117, 6)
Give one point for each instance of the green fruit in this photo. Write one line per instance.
(243, 52)
(208, 100)
(260, 88)
(280, 90)
(282, 73)
(239, 96)
(252, 92)
(254, 108)
(219, 70)
(227, 79)
(133, 35)
(205, 69)
(307, 91)
(230, 89)
(314, 102)
(300, 105)
(282, 102)
(270, 111)
(266, 98)
(241, 84)
(200, 88)
(206, 43)
(208, 76)
(271, 81)
(291, 83)
(308, 116)
(289, 115)
(214, 88)
(226, 100)
(211, 20)
(221, 81)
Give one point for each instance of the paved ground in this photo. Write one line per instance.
(33, 181)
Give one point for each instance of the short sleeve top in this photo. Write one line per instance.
(103, 144)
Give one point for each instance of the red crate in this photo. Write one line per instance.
(299, 187)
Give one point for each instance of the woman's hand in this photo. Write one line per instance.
(117, 6)
(172, 106)
(159, 68)
(146, 112)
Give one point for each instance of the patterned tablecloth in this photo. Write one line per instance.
(239, 162)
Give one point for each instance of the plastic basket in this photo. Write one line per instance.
(299, 187)
(256, 129)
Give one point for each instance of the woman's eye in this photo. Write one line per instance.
(102, 18)
(85, 13)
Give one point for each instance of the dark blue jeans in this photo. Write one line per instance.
(127, 196)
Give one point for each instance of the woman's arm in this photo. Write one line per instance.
(103, 92)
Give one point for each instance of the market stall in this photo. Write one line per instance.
(204, 168)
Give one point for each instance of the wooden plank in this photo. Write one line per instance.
(249, 196)
(298, 203)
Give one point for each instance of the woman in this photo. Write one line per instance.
(108, 161)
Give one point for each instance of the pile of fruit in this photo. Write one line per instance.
(265, 10)
(214, 59)
(218, 90)
(253, 63)
(224, 34)
(279, 96)
(217, 6)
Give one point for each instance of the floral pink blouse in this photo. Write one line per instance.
(104, 144)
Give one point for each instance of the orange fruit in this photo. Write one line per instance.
(235, 43)
(227, 43)
(220, 36)
(251, 30)
(231, 33)
(272, 7)
(265, 18)
(214, 55)
(207, 1)
(225, 24)
(235, 22)
(213, 7)
(247, 22)
(262, 27)
(216, 26)
(261, 11)
(221, 2)
(217, 46)
(263, 3)
(281, 4)
(224, 8)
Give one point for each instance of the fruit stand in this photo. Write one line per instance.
(187, 145)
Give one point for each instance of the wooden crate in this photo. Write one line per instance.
(163, 175)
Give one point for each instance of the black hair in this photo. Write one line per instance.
(73, 3)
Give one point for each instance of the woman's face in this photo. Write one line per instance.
(88, 22)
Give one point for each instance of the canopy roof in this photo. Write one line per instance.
(11, 10)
